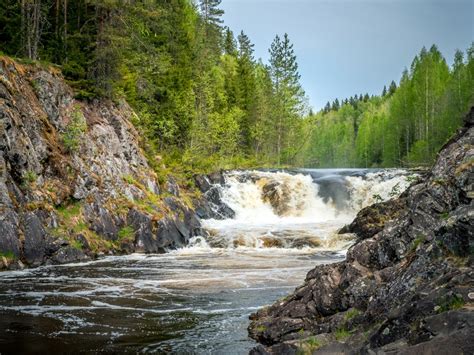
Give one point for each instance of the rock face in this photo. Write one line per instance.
(407, 284)
(74, 181)
(211, 205)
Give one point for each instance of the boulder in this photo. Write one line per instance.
(35, 235)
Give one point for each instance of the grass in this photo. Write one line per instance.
(449, 303)
(9, 255)
(352, 313)
(308, 346)
(342, 334)
(76, 244)
(126, 234)
(419, 239)
(444, 215)
(68, 212)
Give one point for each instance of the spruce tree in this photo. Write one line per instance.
(230, 45)
(392, 88)
(288, 92)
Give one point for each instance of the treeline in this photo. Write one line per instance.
(404, 126)
(204, 101)
(201, 97)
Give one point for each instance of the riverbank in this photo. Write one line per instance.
(406, 285)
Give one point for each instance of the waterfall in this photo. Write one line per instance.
(300, 209)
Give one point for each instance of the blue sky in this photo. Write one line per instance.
(346, 47)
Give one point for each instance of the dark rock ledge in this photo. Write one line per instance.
(407, 285)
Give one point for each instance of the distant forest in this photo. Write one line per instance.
(204, 102)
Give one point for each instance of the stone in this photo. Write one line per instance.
(34, 245)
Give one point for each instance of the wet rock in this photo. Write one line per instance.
(34, 245)
(212, 205)
(68, 254)
(101, 221)
(278, 196)
(202, 182)
(145, 240)
(372, 219)
(9, 236)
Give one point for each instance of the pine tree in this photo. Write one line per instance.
(384, 91)
(211, 12)
(245, 46)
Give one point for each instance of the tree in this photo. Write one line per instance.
(392, 88)
(288, 93)
(327, 107)
(230, 45)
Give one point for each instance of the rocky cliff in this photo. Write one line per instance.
(407, 284)
(74, 181)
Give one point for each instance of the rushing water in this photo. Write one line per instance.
(196, 299)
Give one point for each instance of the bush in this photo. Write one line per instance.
(75, 130)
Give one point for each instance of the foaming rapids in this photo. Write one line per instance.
(302, 209)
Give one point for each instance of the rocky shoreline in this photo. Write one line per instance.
(75, 183)
(407, 284)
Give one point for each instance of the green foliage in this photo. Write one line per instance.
(29, 178)
(76, 244)
(9, 255)
(204, 102)
(126, 233)
(74, 131)
(419, 239)
(352, 313)
(69, 211)
(406, 126)
(341, 334)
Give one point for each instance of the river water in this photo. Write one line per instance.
(195, 300)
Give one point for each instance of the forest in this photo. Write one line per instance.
(204, 102)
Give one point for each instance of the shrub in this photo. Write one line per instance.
(74, 131)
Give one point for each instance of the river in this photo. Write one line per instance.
(195, 300)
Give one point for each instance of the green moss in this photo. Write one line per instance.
(261, 328)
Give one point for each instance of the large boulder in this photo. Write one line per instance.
(406, 284)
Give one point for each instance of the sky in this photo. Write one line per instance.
(347, 47)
